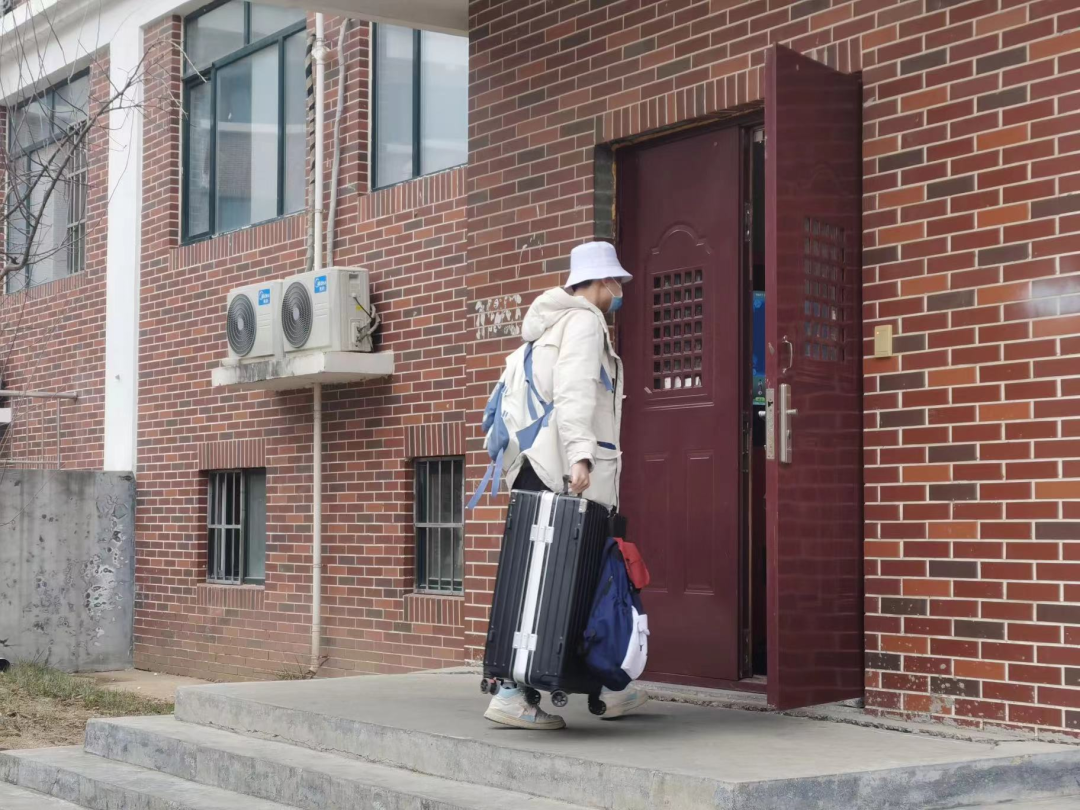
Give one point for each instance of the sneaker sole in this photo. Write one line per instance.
(625, 709)
(517, 722)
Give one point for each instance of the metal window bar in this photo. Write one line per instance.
(440, 525)
(225, 526)
(76, 228)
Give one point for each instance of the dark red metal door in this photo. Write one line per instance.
(813, 362)
(679, 235)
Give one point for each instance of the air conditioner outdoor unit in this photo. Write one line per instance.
(251, 322)
(328, 310)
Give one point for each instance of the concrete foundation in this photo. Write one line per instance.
(67, 568)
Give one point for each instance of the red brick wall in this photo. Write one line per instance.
(412, 239)
(52, 337)
(972, 164)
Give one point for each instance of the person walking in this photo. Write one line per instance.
(576, 368)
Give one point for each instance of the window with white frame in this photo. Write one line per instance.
(236, 527)
(245, 93)
(46, 184)
(421, 103)
(440, 525)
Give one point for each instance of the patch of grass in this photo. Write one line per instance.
(40, 681)
(42, 707)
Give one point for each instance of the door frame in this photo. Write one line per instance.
(746, 122)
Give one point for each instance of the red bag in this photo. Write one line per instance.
(635, 564)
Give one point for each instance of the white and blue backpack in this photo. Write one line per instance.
(514, 415)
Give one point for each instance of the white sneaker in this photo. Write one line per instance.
(622, 703)
(513, 710)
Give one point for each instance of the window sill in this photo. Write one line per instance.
(440, 609)
(232, 597)
(399, 183)
(49, 288)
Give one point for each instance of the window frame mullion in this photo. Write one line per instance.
(416, 100)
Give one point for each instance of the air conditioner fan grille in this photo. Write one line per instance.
(240, 325)
(296, 314)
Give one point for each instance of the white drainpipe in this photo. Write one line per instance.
(319, 54)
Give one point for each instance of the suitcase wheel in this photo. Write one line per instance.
(596, 705)
(532, 697)
(559, 699)
(489, 686)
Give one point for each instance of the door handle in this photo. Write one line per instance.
(786, 412)
(791, 355)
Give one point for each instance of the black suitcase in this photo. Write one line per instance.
(548, 572)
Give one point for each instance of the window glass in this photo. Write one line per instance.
(444, 101)
(214, 34)
(255, 508)
(246, 136)
(71, 103)
(200, 126)
(267, 20)
(30, 124)
(48, 185)
(295, 117)
(394, 104)
(247, 140)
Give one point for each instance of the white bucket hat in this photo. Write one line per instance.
(595, 260)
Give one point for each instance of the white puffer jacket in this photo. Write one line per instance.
(571, 344)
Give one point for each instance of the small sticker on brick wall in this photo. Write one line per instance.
(498, 317)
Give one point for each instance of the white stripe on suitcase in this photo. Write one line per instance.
(542, 535)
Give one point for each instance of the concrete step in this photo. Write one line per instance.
(17, 798)
(668, 757)
(299, 777)
(91, 782)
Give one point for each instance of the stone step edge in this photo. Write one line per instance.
(73, 775)
(13, 797)
(294, 775)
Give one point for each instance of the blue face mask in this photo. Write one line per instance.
(616, 300)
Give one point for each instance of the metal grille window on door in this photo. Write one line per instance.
(824, 304)
(678, 330)
(236, 527)
(440, 525)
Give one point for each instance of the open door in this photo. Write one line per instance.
(814, 391)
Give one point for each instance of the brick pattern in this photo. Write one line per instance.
(233, 454)
(52, 337)
(437, 439)
(971, 253)
(231, 597)
(411, 238)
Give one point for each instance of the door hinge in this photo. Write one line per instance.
(748, 221)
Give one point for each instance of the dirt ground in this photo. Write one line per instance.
(40, 712)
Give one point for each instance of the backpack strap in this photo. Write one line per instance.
(491, 476)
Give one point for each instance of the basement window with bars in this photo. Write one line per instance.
(47, 183)
(421, 103)
(236, 527)
(245, 102)
(440, 525)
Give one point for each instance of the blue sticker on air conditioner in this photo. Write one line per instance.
(320, 284)
(264, 297)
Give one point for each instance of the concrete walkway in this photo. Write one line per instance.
(670, 755)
